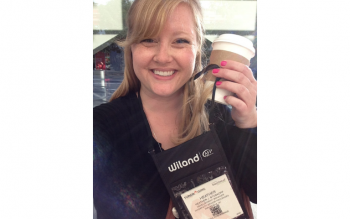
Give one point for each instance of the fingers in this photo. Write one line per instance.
(239, 67)
(244, 116)
(242, 92)
(234, 76)
(241, 82)
(238, 104)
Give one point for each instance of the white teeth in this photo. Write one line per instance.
(163, 73)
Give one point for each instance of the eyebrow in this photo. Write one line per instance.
(179, 32)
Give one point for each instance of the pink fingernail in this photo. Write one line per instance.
(225, 97)
(215, 70)
(223, 63)
(218, 83)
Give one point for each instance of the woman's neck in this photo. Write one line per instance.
(163, 114)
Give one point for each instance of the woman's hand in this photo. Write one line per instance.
(242, 83)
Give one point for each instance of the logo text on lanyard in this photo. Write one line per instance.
(181, 164)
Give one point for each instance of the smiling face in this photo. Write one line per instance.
(163, 64)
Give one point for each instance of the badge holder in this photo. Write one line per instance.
(198, 177)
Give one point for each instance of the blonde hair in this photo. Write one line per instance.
(145, 20)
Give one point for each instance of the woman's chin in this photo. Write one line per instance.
(166, 92)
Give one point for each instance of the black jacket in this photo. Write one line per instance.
(126, 181)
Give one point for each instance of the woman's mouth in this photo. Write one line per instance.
(163, 73)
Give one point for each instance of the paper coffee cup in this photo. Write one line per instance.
(229, 47)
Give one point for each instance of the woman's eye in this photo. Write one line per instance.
(147, 41)
(182, 41)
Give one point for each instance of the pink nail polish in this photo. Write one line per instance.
(223, 63)
(215, 70)
(218, 83)
(225, 97)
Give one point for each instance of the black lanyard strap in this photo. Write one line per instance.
(204, 72)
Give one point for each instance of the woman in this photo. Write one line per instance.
(158, 93)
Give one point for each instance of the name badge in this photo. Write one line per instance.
(213, 199)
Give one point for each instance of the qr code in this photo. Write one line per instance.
(215, 210)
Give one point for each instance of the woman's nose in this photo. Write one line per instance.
(163, 54)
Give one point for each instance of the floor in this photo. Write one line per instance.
(104, 84)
